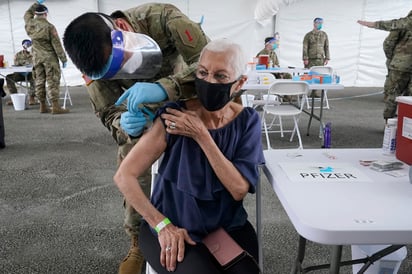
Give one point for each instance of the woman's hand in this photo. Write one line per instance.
(184, 122)
(172, 241)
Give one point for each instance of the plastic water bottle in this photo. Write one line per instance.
(327, 135)
(389, 137)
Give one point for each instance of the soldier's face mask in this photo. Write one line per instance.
(318, 22)
(27, 45)
(133, 56)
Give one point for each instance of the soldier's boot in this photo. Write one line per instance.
(133, 262)
(43, 107)
(32, 100)
(56, 109)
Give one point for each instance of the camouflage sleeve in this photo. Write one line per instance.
(29, 14)
(103, 94)
(404, 23)
(180, 85)
(326, 47)
(389, 43)
(57, 45)
(16, 59)
(259, 53)
(305, 55)
(275, 59)
(188, 37)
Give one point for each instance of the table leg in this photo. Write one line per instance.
(297, 267)
(335, 259)
(321, 127)
(311, 113)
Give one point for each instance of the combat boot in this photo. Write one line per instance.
(43, 107)
(56, 109)
(32, 100)
(133, 262)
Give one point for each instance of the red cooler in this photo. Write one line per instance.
(404, 131)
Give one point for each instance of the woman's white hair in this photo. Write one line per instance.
(225, 45)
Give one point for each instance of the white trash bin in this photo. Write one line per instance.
(389, 264)
(19, 101)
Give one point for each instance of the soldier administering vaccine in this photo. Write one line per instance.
(132, 61)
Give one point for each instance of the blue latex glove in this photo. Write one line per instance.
(141, 93)
(40, 1)
(133, 123)
(64, 65)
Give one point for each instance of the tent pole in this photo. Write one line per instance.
(11, 27)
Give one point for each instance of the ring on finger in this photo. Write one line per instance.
(168, 248)
(172, 125)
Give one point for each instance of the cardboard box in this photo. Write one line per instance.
(404, 130)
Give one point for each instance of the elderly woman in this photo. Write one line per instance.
(211, 150)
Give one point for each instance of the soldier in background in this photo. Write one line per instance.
(316, 47)
(388, 48)
(47, 50)
(22, 58)
(87, 40)
(399, 79)
(269, 49)
(271, 44)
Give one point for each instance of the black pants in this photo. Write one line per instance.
(198, 259)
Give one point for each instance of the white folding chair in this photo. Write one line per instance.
(154, 172)
(264, 79)
(66, 93)
(327, 70)
(247, 100)
(298, 89)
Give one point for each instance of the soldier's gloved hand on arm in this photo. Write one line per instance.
(133, 123)
(141, 93)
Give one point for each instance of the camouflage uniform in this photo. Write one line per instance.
(22, 58)
(388, 48)
(47, 50)
(399, 80)
(178, 37)
(315, 48)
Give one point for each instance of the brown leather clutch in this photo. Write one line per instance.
(226, 251)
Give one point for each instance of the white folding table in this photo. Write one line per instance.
(4, 71)
(291, 70)
(332, 199)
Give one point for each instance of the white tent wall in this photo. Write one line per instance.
(356, 51)
(233, 19)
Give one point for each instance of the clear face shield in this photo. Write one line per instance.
(134, 56)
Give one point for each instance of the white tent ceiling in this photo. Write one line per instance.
(356, 52)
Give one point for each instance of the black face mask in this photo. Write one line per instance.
(213, 96)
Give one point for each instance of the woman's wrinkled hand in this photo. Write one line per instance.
(184, 122)
(172, 241)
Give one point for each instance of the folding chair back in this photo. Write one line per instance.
(298, 89)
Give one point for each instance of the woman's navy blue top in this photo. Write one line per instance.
(187, 190)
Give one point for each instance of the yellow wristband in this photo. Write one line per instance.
(162, 224)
